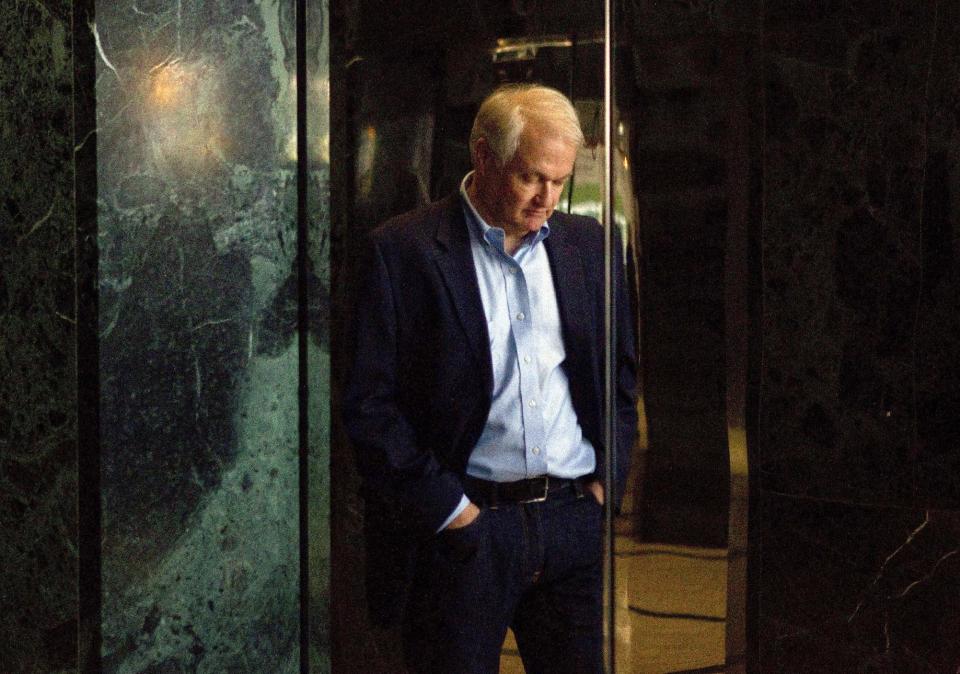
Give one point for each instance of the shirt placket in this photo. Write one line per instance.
(522, 333)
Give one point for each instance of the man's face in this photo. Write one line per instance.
(521, 195)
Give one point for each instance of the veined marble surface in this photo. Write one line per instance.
(38, 417)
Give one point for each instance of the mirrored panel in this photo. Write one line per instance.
(681, 168)
(683, 89)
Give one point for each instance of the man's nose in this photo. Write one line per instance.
(548, 193)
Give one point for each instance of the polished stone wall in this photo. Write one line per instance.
(38, 466)
(859, 400)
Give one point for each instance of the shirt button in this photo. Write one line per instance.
(520, 316)
(536, 450)
(533, 403)
(526, 359)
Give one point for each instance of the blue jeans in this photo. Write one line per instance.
(535, 567)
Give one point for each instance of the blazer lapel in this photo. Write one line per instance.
(569, 279)
(455, 262)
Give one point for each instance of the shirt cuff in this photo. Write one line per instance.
(464, 502)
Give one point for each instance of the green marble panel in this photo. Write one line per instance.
(199, 370)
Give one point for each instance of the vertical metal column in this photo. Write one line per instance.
(610, 332)
(737, 320)
(303, 326)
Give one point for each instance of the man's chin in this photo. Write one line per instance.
(532, 222)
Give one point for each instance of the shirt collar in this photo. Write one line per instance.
(493, 235)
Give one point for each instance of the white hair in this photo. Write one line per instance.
(504, 114)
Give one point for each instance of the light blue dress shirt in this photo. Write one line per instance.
(532, 429)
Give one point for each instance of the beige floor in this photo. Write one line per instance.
(671, 601)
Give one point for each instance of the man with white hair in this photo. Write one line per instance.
(475, 401)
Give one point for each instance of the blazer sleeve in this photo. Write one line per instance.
(402, 477)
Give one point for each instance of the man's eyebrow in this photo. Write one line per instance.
(540, 174)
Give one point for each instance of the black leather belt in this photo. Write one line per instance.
(532, 490)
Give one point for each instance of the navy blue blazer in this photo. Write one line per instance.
(420, 379)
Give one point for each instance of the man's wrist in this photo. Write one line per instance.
(461, 506)
(596, 488)
(470, 513)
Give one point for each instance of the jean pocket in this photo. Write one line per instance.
(461, 544)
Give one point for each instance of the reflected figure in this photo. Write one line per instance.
(474, 402)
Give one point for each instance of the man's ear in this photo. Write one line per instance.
(483, 157)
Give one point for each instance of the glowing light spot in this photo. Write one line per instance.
(183, 116)
(167, 87)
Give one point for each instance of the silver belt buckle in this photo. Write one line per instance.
(546, 490)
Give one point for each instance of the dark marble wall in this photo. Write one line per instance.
(859, 563)
(38, 466)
